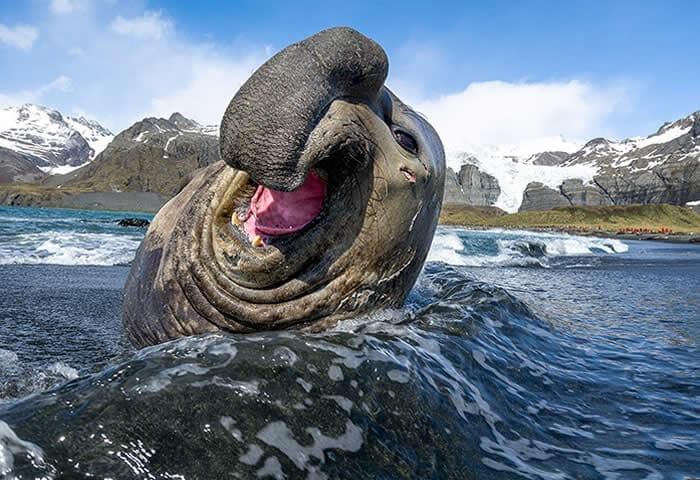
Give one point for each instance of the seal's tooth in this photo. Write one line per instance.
(257, 241)
(236, 219)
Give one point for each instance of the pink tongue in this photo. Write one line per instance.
(282, 213)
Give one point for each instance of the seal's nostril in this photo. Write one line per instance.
(409, 174)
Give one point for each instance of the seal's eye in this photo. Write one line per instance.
(405, 139)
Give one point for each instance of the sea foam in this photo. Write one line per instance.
(69, 248)
(489, 248)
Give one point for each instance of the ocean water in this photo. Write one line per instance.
(66, 237)
(517, 355)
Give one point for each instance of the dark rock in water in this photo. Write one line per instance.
(133, 222)
(531, 249)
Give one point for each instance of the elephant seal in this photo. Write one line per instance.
(324, 206)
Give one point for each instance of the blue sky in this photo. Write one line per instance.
(484, 72)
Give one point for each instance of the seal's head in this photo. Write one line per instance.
(324, 206)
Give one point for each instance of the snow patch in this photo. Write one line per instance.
(167, 144)
(62, 169)
(514, 174)
(212, 130)
(665, 137)
(140, 136)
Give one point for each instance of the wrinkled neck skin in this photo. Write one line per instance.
(198, 271)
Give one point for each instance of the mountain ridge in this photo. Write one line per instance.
(663, 167)
(35, 139)
(157, 155)
(140, 169)
(152, 155)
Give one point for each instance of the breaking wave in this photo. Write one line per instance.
(66, 237)
(507, 248)
(12, 446)
(72, 237)
(69, 248)
(20, 379)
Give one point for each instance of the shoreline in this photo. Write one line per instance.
(144, 202)
(686, 238)
(649, 222)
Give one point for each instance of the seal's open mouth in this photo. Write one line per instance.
(265, 216)
(275, 213)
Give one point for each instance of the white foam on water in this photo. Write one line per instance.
(450, 249)
(447, 248)
(61, 369)
(571, 246)
(18, 378)
(69, 248)
(11, 446)
(516, 248)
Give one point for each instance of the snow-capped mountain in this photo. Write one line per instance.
(159, 154)
(188, 125)
(46, 139)
(155, 129)
(153, 155)
(94, 134)
(663, 167)
(635, 154)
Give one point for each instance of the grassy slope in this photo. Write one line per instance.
(468, 214)
(34, 190)
(608, 218)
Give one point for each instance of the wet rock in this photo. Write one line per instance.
(133, 222)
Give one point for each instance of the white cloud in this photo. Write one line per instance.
(522, 113)
(138, 66)
(120, 78)
(61, 83)
(150, 25)
(62, 6)
(36, 95)
(20, 36)
(208, 88)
